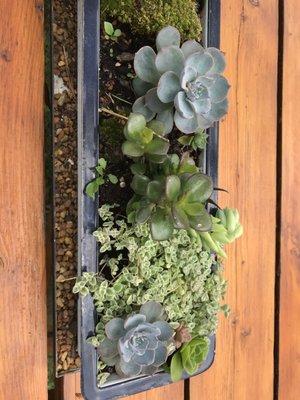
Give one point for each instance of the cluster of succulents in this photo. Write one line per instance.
(187, 78)
(153, 15)
(140, 344)
(144, 139)
(176, 280)
(172, 200)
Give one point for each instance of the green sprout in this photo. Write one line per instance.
(93, 186)
(111, 32)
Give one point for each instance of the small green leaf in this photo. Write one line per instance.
(92, 188)
(180, 218)
(193, 209)
(176, 367)
(108, 27)
(146, 135)
(172, 187)
(102, 162)
(158, 146)
(201, 222)
(117, 33)
(113, 179)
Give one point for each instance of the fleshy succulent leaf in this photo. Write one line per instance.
(152, 310)
(144, 65)
(154, 190)
(168, 36)
(133, 321)
(190, 47)
(176, 367)
(172, 187)
(114, 329)
(170, 58)
(161, 225)
(139, 184)
(132, 149)
(139, 107)
(168, 86)
(219, 60)
(140, 87)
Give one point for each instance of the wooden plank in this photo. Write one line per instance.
(243, 368)
(71, 387)
(23, 333)
(289, 345)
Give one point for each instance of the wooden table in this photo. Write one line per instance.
(258, 346)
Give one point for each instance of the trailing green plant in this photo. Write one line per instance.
(189, 357)
(93, 186)
(187, 78)
(177, 272)
(196, 141)
(144, 139)
(139, 344)
(153, 15)
(111, 32)
(174, 197)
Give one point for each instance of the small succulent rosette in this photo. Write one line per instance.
(187, 79)
(139, 344)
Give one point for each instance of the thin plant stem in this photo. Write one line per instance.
(108, 111)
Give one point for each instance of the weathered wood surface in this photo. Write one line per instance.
(243, 368)
(289, 348)
(23, 334)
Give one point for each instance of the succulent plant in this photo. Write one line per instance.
(174, 199)
(145, 139)
(187, 78)
(140, 344)
(230, 219)
(189, 357)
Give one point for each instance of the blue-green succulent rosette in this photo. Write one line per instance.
(184, 79)
(139, 344)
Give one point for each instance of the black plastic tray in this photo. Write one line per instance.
(88, 154)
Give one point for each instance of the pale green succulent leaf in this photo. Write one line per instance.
(201, 222)
(219, 60)
(154, 190)
(139, 107)
(144, 65)
(140, 87)
(186, 125)
(158, 146)
(143, 214)
(183, 105)
(201, 62)
(152, 310)
(168, 86)
(167, 36)
(190, 47)
(170, 58)
(166, 117)
(136, 123)
(176, 367)
(153, 102)
(219, 89)
(189, 74)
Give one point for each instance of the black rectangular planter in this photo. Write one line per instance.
(88, 155)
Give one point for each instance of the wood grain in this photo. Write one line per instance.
(289, 333)
(243, 368)
(23, 334)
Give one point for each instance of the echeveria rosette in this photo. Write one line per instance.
(187, 78)
(145, 140)
(140, 344)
